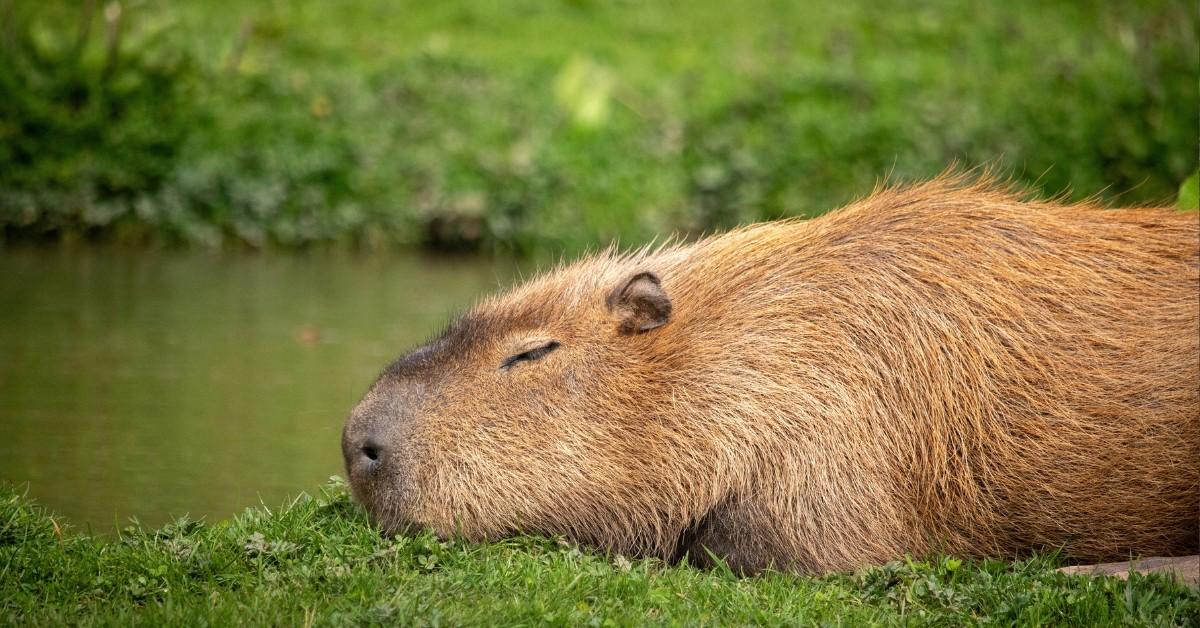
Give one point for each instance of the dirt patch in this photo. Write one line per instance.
(1186, 568)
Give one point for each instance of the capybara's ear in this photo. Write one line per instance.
(639, 303)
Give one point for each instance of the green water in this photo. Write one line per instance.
(150, 385)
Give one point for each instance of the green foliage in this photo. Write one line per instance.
(1189, 192)
(87, 122)
(536, 127)
(317, 560)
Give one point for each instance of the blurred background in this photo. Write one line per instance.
(218, 219)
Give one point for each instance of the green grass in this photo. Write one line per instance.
(318, 561)
(525, 125)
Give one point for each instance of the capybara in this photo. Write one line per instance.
(942, 367)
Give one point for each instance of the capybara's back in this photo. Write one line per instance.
(942, 367)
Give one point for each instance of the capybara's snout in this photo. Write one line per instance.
(380, 442)
(372, 440)
(362, 448)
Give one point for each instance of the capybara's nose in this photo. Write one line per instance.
(363, 452)
(368, 455)
(371, 450)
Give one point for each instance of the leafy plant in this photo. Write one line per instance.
(91, 119)
(503, 127)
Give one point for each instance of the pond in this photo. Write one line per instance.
(148, 385)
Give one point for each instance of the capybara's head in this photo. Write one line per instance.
(529, 413)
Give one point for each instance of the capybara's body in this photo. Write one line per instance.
(941, 367)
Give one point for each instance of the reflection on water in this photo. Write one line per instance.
(150, 385)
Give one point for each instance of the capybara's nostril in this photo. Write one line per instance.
(370, 449)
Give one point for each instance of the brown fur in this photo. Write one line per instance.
(942, 367)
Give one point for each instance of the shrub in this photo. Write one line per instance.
(88, 123)
(301, 136)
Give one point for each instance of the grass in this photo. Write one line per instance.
(533, 126)
(318, 561)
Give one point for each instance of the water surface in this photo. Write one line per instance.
(154, 384)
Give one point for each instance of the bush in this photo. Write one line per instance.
(87, 123)
(1069, 116)
(321, 125)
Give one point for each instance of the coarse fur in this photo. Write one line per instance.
(938, 367)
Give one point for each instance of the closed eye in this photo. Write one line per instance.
(529, 356)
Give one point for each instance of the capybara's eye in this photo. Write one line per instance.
(530, 355)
